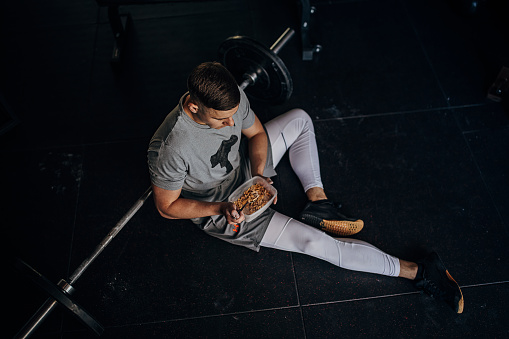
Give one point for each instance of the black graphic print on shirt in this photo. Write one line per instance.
(221, 156)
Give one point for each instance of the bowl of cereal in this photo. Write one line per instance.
(256, 195)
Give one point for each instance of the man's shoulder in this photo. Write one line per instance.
(169, 126)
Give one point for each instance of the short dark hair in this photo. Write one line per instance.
(214, 86)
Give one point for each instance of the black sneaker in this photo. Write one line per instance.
(325, 215)
(434, 280)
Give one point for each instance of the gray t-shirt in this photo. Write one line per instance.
(207, 164)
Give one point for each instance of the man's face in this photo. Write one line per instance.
(216, 119)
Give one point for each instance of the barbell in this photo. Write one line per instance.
(263, 75)
(256, 68)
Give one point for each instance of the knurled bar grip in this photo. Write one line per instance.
(114, 231)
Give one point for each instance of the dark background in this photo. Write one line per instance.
(408, 142)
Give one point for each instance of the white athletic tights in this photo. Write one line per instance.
(294, 132)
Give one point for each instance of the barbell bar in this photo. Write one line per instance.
(264, 77)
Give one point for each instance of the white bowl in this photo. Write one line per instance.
(245, 186)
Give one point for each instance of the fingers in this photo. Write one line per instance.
(229, 210)
(240, 217)
(234, 217)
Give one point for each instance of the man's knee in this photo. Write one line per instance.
(301, 116)
(299, 113)
(311, 243)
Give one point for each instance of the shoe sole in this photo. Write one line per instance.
(337, 227)
(461, 301)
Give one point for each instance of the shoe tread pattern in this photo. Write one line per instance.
(336, 227)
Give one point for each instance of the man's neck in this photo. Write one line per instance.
(185, 106)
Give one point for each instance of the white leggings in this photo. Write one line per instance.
(294, 132)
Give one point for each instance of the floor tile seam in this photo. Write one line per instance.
(425, 53)
(399, 294)
(485, 183)
(489, 128)
(296, 284)
(291, 307)
(359, 299)
(210, 316)
(486, 284)
(75, 216)
(423, 110)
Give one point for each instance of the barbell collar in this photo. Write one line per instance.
(249, 79)
(65, 286)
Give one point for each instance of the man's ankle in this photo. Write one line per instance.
(408, 269)
(316, 193)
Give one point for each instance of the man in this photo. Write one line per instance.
(212, 142)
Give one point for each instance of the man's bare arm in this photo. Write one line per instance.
(257, 146)
(171, 206)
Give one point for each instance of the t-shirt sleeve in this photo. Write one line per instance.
(167, 169)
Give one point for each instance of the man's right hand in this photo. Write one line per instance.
(233, 216)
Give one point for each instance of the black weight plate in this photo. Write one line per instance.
(242, 55)
(59, 295)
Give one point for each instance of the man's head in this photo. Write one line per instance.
(214, 95)
(213, 86)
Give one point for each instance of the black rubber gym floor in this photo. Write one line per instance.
(408, 142)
